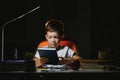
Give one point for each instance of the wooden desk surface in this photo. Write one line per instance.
(91, 60)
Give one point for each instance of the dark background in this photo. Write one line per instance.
(92, 24)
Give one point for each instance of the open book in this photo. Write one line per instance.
(49, 53)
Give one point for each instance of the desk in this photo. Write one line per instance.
(63, 75)
(88, 72)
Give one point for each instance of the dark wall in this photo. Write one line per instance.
(105, 26)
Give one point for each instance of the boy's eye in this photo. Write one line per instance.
(49, 37)
(53, 37)
(56, 37)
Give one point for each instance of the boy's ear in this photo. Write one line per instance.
(63, 36)
(46, 36)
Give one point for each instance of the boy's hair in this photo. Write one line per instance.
(54, 25)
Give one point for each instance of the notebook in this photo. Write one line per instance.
(49, 53)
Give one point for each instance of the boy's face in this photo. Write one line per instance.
(53, 39)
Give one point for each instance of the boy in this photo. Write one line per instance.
(54, 29)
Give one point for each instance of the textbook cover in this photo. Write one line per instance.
(49, 53)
